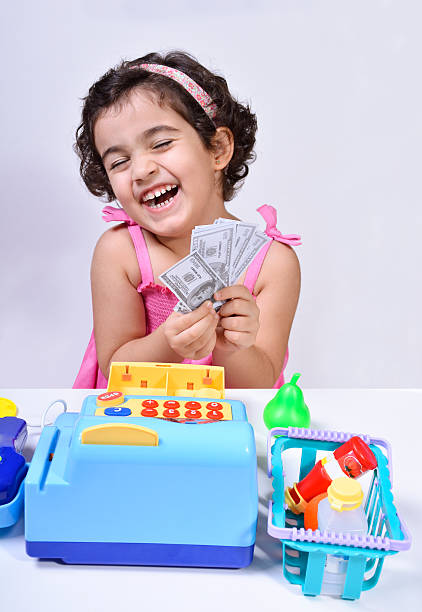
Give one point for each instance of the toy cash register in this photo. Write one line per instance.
(158, 470)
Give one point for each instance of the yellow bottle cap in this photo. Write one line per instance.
(7, 407)
(345, 494)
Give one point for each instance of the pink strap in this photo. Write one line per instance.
(255, 266)
(135, 231)
(116, 214)
(142, 255)
(269, 215)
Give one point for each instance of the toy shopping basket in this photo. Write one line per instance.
(305, 551)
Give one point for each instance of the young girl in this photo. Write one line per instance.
(163, 136)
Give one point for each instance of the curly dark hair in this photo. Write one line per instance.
(115, 86)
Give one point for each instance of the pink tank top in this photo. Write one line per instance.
(159, 301)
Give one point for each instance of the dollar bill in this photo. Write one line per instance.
(227, 247)
(193, 281)
(215, 245)
(244, 234)
(180, 307)
(254, 245)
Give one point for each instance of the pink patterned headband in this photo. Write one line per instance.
(185, 81)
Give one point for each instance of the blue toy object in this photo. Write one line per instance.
(12, 472)
(110, 485)
(305, 551)
(13, 434)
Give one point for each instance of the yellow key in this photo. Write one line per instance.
(7, 407)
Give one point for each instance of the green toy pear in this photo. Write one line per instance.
(287, 408)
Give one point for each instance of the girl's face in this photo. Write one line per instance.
(147, 150)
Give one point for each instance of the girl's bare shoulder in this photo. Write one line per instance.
(114, 250)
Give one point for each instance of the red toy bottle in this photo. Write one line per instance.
(353, 458)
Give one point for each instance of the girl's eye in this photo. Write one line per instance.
(117, 163)
(162, 144)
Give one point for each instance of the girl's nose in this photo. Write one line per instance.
(142, 167)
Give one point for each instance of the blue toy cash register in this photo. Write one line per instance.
(158, 470)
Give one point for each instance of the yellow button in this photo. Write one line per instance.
(120, 434)
(110, 398)
(7, 407)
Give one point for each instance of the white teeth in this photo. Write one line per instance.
(162, 204)
(155, 194)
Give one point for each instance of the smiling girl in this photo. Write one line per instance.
(164, 137)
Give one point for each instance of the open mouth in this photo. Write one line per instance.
(162, 199)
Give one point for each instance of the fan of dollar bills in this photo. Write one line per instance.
(219, 254)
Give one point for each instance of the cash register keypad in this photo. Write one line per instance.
(178, 410)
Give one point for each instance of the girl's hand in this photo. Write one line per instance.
(239, 319)
(192, 335)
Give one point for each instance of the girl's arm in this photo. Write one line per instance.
(119, 314)
(253, 340)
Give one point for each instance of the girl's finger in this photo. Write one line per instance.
(206, 349)
(195, 331)
(240, 324)
(235, 291)
(208, 337)
(237, 306)
(180, 322)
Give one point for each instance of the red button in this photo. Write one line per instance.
(216, 415)
(214, 406)
(171, 404)
(171, 412)
(193, 405)
(150, 403)
(110, 399)
(193, 414)
(149, 412)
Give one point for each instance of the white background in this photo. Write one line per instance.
(337, 90)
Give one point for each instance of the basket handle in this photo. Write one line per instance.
(387, 446)
(276, 532)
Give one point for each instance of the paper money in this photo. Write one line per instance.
(193, 281)
(244, 233)
(180, 307)
(253, 246)
(222, 252)
(215, 245)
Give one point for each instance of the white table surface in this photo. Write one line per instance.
(30, 584)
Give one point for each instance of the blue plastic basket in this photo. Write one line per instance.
(10, 513)
(305, 551)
